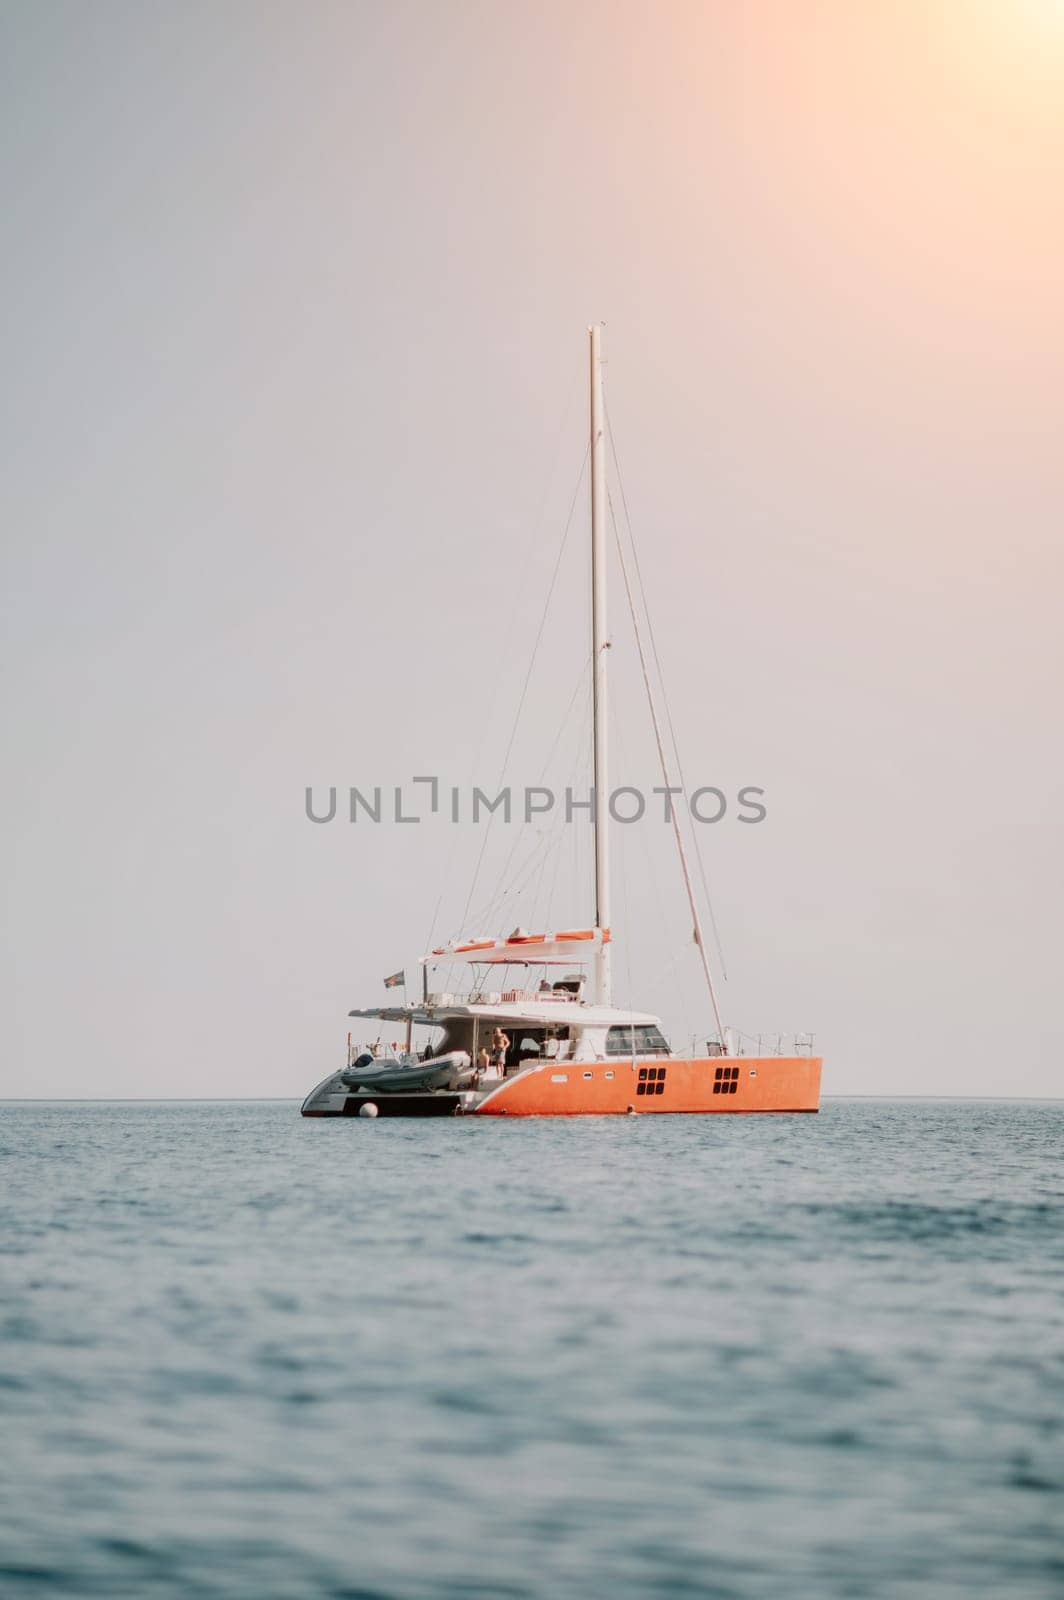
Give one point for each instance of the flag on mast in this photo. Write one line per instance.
(396, 980)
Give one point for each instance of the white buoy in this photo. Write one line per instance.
(368, 1110)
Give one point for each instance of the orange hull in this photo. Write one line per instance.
(600, 1088)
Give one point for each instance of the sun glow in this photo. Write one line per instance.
(1030, 20)
(1009, 51)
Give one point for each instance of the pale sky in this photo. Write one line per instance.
(295, 300)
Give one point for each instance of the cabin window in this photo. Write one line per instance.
(646, 1039)
(651, 1080)
(726, 1080)
(559, 1077)
(609, 1074)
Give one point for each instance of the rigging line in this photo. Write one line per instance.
(680, 995)
(528, 675)
(432, 929)
(534, 868)
(586, 682)
(498, 899)
(627, 942)
(626, 923)
(534, 872)
(501, 877)
(501, 894)
(665, 774)
(504, 891)
(542, 838)
(664, 691)
(538, 884)
(554, 458)
(454, 838)
(548, 918)
(545, 842)
(561, 726)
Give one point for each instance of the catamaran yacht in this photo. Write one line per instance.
(558, 1046)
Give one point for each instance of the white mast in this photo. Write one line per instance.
(599, 646)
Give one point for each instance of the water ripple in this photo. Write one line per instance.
(810, 1359)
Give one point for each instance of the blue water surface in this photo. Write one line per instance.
(245, 1355)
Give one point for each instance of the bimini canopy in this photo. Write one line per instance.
(525, 949)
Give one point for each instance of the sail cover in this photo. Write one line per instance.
(529, 949)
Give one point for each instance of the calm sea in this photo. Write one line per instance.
(252, 1357)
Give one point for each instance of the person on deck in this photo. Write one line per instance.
(500, 1043)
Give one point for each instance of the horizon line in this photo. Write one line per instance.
(279, 1099)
